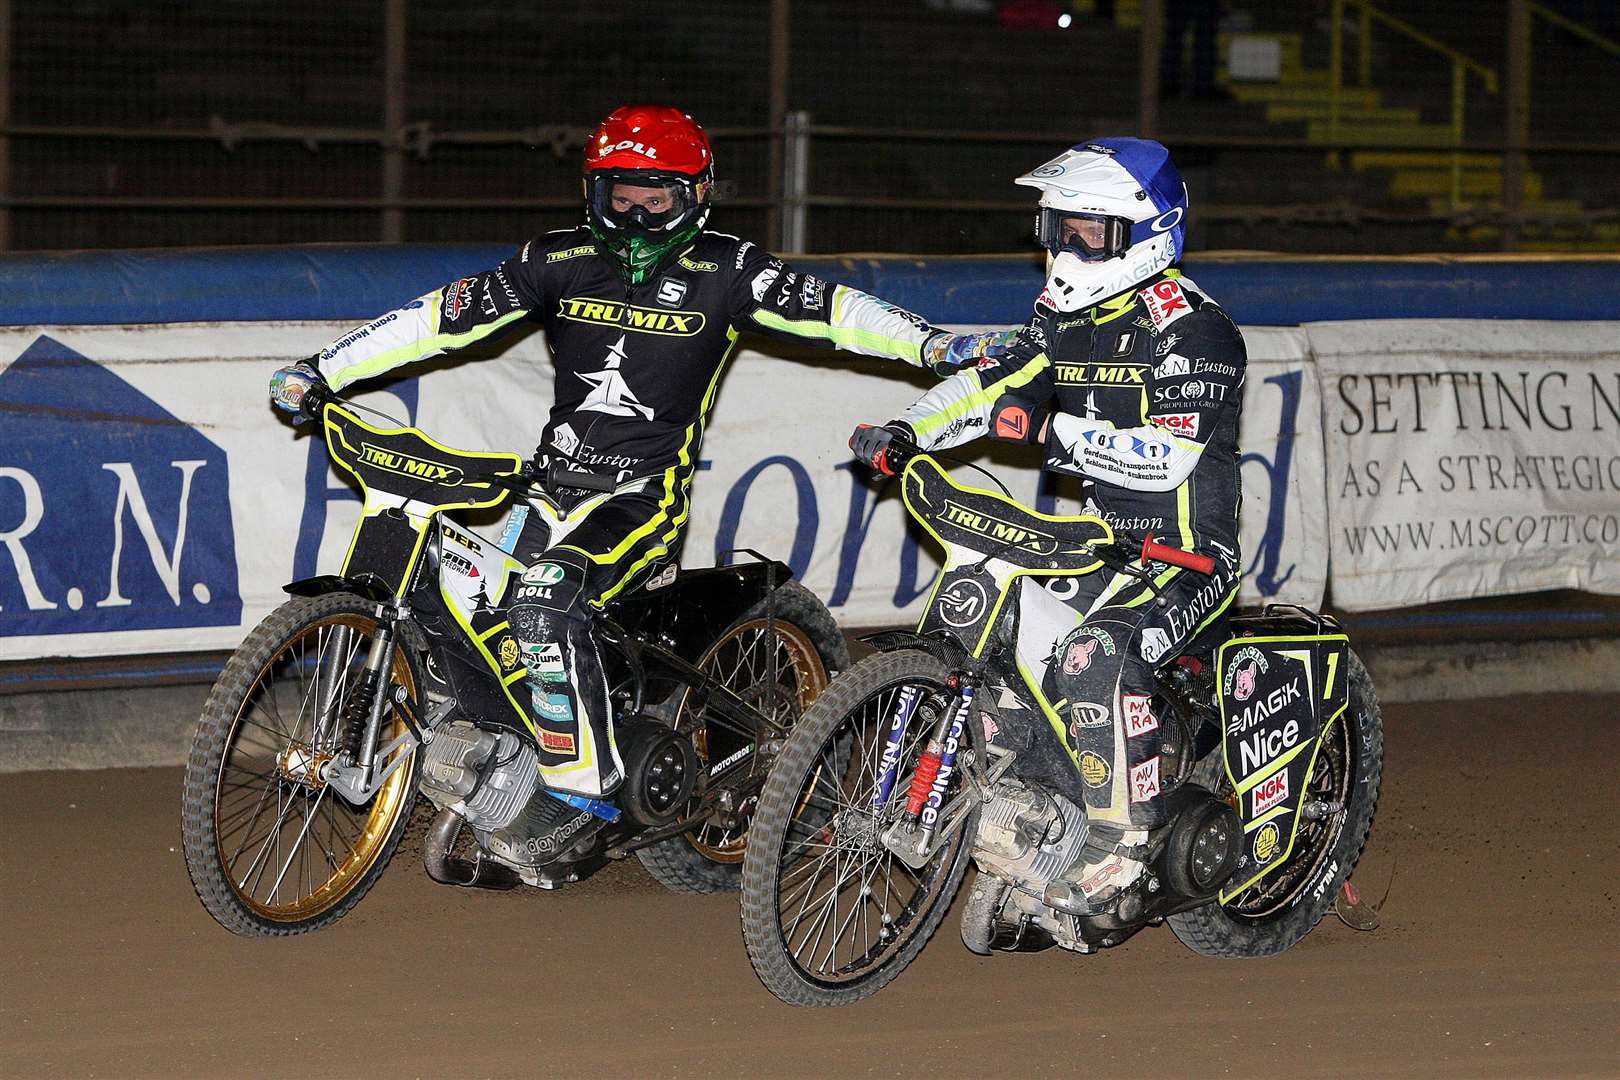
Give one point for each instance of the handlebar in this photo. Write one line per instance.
(894, 457)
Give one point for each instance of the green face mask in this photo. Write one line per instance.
(636, 257)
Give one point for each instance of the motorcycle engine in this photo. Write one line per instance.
(1027, 836)
(487, 777)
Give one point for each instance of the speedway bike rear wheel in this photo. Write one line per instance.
(271, 847)
(1277, 912)
(778, 662)
(830, 915)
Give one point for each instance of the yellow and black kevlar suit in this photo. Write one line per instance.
(1143, 395)
(636, 370)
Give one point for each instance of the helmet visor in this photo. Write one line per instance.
(640, 203)
(1092, 237)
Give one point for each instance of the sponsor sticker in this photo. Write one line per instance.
(1154, 644)
(564, 439)
(991, 728)
(1012, 421)
(1145, 780)
(1139, 718)
(548, 658)
(1087, 714)
(1184, 424)
(962, 603)
(556, 742)
(1165, 303)
(571, 253)
(698, 266)
(812, 294)
(554, 705)
(458, 565)
(763, 282)
(1077, 657)
(640, 320)
(458, 298)
(1270, 792)
(1171, 366)
(1266, 842)
(1093, 769)
(507, 652)
(544, 573)
(1248, 656)
(1165, 344)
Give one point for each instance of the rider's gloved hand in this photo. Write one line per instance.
(869, 443)
(946, 353)
(290, 389)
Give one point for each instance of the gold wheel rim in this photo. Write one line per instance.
(809, 680)
(333, 844)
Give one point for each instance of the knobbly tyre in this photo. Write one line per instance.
(395, 677)
(908, 767)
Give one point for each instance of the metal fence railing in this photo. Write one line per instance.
(177, 123)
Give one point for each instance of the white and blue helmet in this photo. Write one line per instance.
(1131, 187)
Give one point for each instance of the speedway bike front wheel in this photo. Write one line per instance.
(830, 915)
(271, 847)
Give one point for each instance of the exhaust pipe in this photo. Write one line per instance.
(447, 869)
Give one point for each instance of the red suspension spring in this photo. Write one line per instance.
(922, 781)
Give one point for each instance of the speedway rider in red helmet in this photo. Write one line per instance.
(641, 307)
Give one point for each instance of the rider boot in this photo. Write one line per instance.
(568, 698)
(1111, 861)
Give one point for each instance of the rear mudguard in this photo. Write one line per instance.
(689, 613)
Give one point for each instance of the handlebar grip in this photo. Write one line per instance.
(1188, 560)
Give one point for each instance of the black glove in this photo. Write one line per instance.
(870, 444)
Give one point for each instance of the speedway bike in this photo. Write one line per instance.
(400, 675)
(926, 755)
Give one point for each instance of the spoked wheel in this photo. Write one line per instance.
(1276, 912)
(831, 915)
(272, 848)
(777, 664)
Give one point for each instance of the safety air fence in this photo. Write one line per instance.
(1413, 430)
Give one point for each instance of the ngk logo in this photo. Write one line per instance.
(1270, 792)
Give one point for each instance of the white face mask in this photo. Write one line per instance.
(1073, 284)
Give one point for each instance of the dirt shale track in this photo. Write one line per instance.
(1499, 954)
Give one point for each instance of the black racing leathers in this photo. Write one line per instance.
(1143, 396)
(636, 368)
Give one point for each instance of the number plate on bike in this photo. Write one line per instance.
(1278, 696)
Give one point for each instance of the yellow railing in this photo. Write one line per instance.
(1584, 32)
(1461, 65)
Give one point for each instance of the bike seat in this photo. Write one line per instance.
(990, 524)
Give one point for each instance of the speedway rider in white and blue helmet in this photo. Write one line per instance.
(1130, 377)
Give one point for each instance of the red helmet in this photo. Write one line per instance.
(653, 147)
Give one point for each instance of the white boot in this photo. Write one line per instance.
(1111, 861)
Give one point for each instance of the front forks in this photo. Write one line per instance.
(354, 775)
(927, 821)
